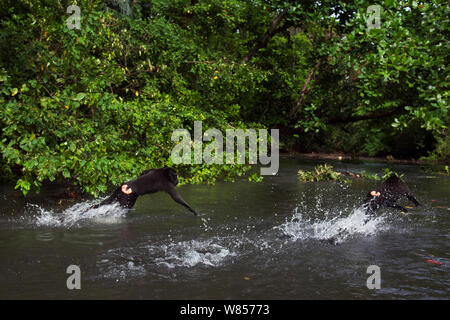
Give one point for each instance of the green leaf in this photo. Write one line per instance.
(80, 96)
(66, 173)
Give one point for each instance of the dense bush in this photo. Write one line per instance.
(98, 105)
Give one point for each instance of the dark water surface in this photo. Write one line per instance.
(252, 241)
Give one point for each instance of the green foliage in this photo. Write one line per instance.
(321, 173)
(326, 173)
(393, 77)
(442, 150)
(257, 178)
(98, 105)
(366, 175)
(388, 172)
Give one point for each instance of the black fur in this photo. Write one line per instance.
(391, 190)
(150, 181)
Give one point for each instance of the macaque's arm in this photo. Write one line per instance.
(413, 199)
(398, 207)
(177, 198)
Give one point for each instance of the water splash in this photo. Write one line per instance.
(205, 223)
(321, 223)
(192, 253)
(336, 229)
(136, 261)
(77, 214)
(124, 271)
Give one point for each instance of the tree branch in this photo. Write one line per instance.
(269, 34)
(305, 89)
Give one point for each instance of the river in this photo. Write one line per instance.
(277, 239)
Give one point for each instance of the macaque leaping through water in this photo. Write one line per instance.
(150, 181)
(390, 191)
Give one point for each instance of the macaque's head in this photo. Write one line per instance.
(125, 189)
(374, 193)
(172, 176)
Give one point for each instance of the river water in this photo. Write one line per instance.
(278, 239)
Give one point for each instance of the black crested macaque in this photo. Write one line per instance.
(150, 181)
(390, 191)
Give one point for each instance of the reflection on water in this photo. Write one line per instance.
(270, 240)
